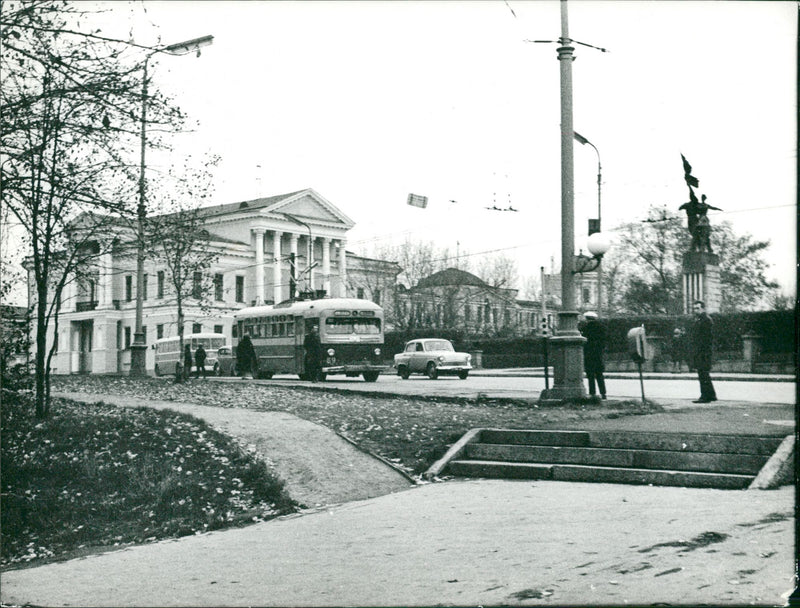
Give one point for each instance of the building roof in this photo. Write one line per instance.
(451, 276)
(258, 203)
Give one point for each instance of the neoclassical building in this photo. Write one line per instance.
(267, 250)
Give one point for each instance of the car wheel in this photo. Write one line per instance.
(403, 372)
(322, 376)
(217, 371)
(370, 376)
(463, 375)
(431, 372)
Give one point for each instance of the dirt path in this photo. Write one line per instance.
(318, 467)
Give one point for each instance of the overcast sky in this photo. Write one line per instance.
(366, 102)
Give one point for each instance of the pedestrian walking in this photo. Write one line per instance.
(245, 356)
(313, 352)
(200, 361)
(187, 362)
(678, 349)
(593, 350)
(700, 340)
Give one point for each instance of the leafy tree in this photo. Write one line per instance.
(643, 275)
(70, 105)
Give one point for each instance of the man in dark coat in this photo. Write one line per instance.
(313, 348)
(593, 349)
(245, 356)
(187, 362)
(200, 361)
(700, 341)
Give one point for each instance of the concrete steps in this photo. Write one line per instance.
(666, 459)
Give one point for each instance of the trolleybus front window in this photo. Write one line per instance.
(343, 326)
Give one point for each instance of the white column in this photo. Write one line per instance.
(293, 251)
(104, 292)
(259, 236)
(277, 288)
(342, 269)
(326, 265)
(310, 263)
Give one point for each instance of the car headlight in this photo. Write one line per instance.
(331, 352)
(377, 351)
(440, 359)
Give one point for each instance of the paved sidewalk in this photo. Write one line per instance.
(472, 542)
(461, 543)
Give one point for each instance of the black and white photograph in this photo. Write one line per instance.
(398, 303)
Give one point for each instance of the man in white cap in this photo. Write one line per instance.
(593, 349)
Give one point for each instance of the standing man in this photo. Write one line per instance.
(593, 349)
(187, 362)
(200, 361)
(700, 341)
(313, 348)
(245, 356)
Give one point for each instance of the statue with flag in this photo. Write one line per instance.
(697, 212)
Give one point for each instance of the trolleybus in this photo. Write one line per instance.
(350, 332)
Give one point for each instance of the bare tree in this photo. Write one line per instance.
(180, 241)
(498, 270)
(68, 125)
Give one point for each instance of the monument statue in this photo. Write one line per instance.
(698, 223)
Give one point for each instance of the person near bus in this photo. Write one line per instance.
(245, 356)
(313, 353)
(187, 362)
(200, 361)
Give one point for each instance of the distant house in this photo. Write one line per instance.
(269, 249)
(457, 299)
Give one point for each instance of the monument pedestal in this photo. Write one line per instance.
(701, 280)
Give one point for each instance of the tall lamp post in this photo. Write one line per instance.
(139, 348)
(566, 347)
(596, 226)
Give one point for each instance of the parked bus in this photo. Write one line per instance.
(168, 351)
(350, 332)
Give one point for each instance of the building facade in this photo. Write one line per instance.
(457, 299)
(267, 250)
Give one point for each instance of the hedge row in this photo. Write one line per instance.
(776, 327)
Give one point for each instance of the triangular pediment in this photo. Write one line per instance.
(308, 205)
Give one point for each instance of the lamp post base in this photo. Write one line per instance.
(566, 356)
(138, 360)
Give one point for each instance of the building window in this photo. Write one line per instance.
(159, 331)
(128, 288)
(196, 328)
(127, 337)
(218, 329)
(466, 313)
(144, 287)
(218, 293)
(197, 285)
(360, 293)
(376, 296)
(239, 289)
(144, 334)
(160, 291)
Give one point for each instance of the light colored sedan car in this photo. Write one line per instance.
(433, 357)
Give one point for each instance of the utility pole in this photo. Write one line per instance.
(566, 347)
